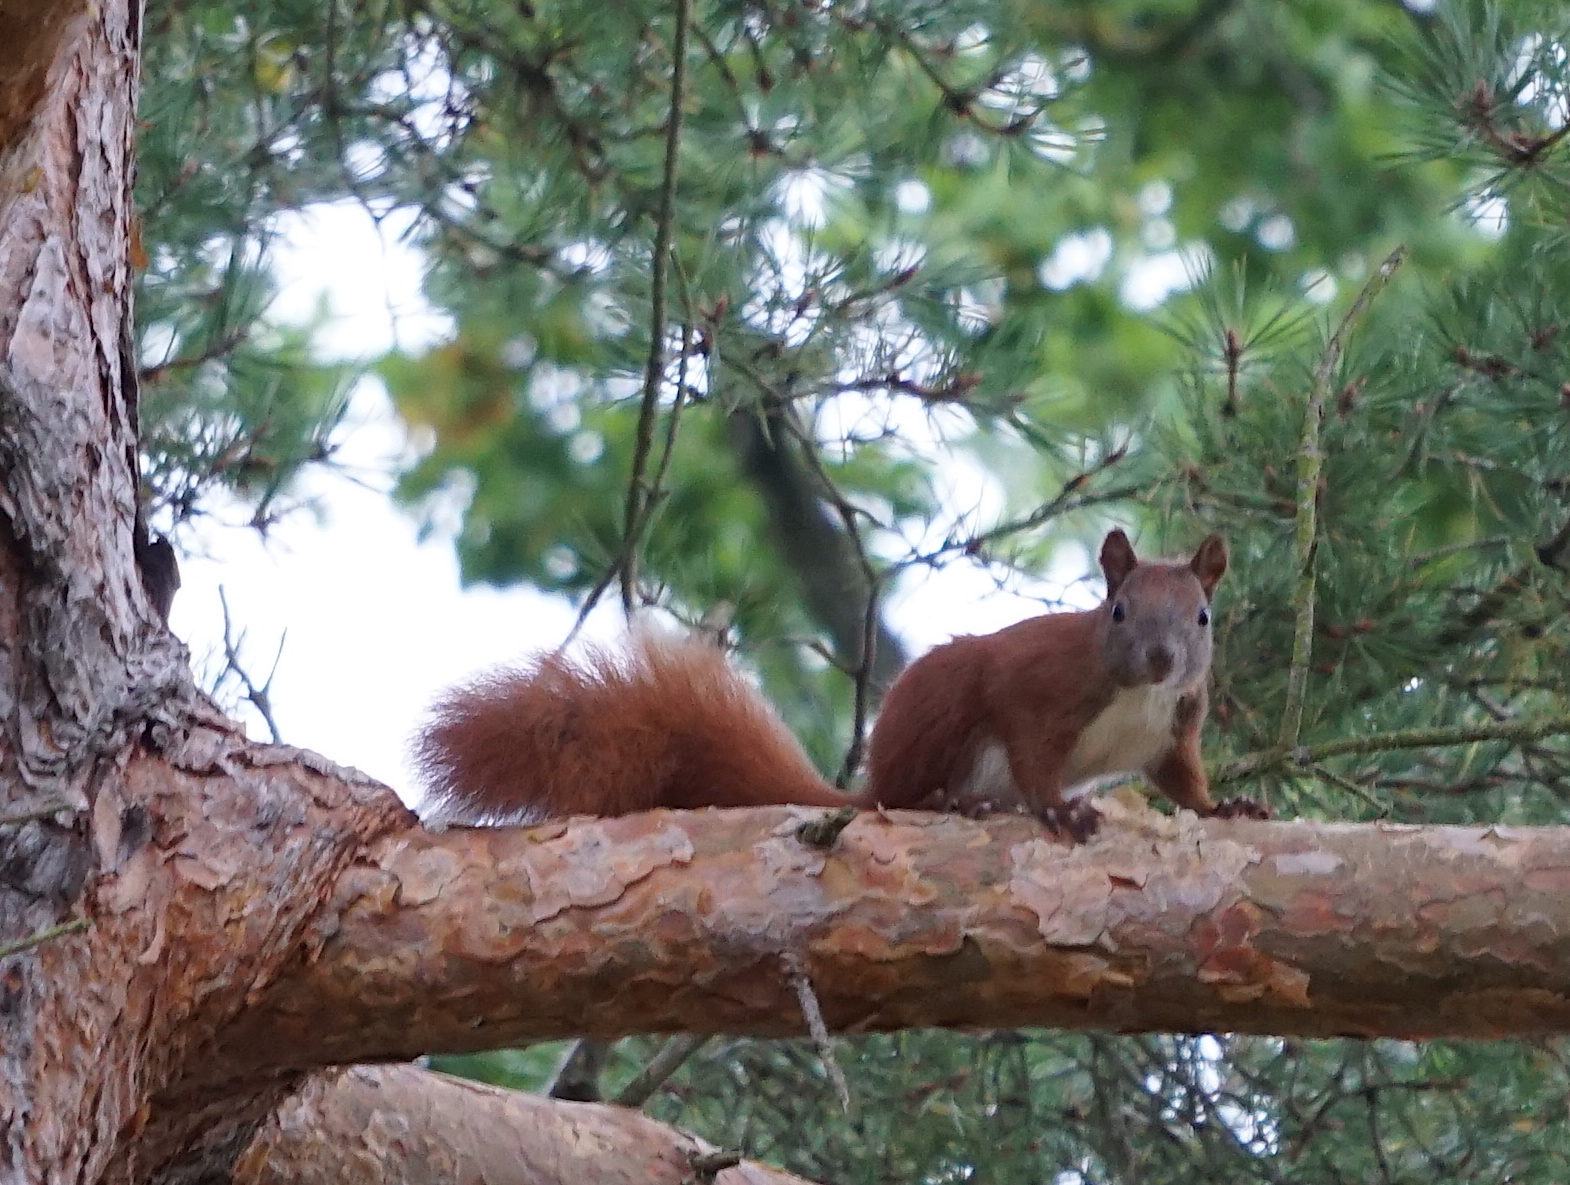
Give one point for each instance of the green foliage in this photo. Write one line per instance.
(518, 1069)
(911, 235)
(231, 404)
(1027, 1107)
(1440, 550)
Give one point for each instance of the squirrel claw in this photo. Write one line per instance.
(1075, 820)
(966, 806)
(975, 808)
(1240, 808)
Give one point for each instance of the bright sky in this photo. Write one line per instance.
(372, 621)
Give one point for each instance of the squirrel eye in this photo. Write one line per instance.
(1204, 616)
(1118, 612)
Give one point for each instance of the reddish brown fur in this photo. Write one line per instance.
(1035, 687)
(670, 723)
(666, 723)
(1027, 686)
(1180, 775)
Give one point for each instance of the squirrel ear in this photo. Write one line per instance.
(1210, 563)
(1117, 560)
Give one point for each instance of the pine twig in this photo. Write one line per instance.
(1554, 554)
(665, 1062)
(1310, 470)
(1518, 731)
(1067, 500)
(1355, 789)
(72, 927)
(638, 497)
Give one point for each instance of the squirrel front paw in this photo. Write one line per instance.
(1240, 808)
(1076, 820)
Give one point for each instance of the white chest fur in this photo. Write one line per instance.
(1128, 734)
(989, 779)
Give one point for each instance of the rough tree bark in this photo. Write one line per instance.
(98, 1028)
(218, 922)
(697, 922)
(372, 1125)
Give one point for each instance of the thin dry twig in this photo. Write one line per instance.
(808, 999)
(627, 554)
(1066, 500)
(862, 703)
(259, 697)
(1355, 789)
(850, 517)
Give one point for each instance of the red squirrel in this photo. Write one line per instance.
(1021, 717)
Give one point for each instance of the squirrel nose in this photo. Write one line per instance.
(1160, 659)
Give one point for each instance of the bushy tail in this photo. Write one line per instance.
(665, 722)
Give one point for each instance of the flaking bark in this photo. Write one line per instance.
(681, 922)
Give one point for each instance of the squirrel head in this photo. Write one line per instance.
(1154, 626)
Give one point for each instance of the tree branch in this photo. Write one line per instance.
(373, 1124)
(834, 582)
(683, 922)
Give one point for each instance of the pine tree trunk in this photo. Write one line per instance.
(150, 928)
